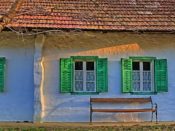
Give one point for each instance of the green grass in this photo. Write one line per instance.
(22, 129)
(101, 128)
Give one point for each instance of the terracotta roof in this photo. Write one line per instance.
(5, 6)
(94, 14)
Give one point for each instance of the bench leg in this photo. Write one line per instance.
(156, 116)
(91, 117)
(152, 116)
(156, 113)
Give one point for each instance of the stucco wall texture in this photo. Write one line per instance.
(16, 102)
(59, 107)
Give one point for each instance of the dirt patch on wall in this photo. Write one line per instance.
(12, 40)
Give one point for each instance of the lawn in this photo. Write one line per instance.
(163, 126)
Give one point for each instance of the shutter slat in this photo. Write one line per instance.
(2, 72)
(161, 81)
(102, 75)
(126, 75)
(65, 75)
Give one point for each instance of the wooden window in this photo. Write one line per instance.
(144, 75)
(83, 74)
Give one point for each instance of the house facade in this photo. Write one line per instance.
(54, 60)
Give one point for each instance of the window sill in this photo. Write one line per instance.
(84, 93)
(143, 93)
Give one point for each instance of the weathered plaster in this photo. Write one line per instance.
(39, 42)
(75, 108)
(12, 40)
(32, 74)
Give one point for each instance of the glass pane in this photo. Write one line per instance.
(90, 76)
(89, 65)
(78, 75)
(136, 80)
(146, 66)
(146, 80)
(90, 86)
(135, 66)
(78, 65)
(78, 85)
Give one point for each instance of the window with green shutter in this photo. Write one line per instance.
(126, 75)
(2, 73)
(102, 75)
(161, 80)
(66, 75)
(144, 75)
(83, 74)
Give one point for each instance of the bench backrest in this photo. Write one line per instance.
(121, 100)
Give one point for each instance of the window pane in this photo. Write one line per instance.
(78, 65)
(90, 86)
(78, 85)
(136, 80)
(78, 75)
(89, 65)
(146, 66)
(146, 80)
(135, 66)
(90, 81)
(90, 76)
(84, 76)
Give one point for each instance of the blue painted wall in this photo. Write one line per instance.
(16, 102)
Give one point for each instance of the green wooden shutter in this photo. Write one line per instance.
(66, 75)
(84, 58)
(126, 75)
(161, 81)
(2, 73)
(102, 75)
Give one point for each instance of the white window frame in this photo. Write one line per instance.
(84, 75)
(141, 75)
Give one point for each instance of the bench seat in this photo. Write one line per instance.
(152, 109)
(123, 110)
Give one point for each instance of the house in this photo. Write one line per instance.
(57, 54)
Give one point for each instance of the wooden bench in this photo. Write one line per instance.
(152, 109)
